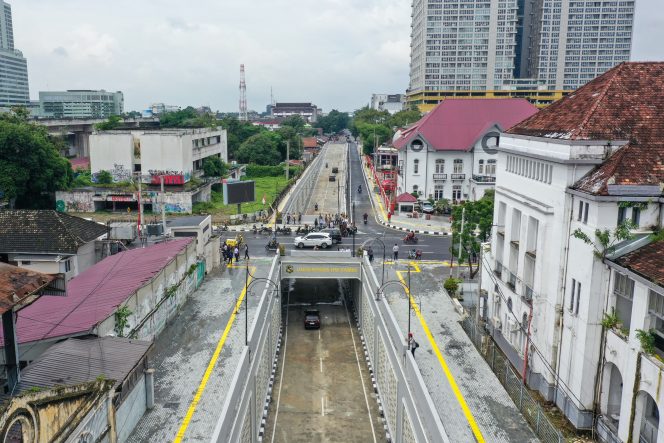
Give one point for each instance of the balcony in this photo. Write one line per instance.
(484, 178)
(439, 177)
(458, 177)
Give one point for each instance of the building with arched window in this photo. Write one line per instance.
(450, 153)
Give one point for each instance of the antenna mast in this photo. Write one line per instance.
(243, 95)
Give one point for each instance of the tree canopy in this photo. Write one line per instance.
(262, 149)
(214, 167)
(31, 169)
(478, 220)
(187, 118)
(237, 133)
(333, 122)
(376, 127)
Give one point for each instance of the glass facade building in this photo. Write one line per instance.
(14, 89)
(80, 104)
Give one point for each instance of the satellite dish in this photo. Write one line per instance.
(490, 148)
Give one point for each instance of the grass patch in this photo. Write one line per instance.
(268, 186)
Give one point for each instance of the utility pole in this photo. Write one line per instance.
(353, 225)
(287, 158)
(408, 298)
(140, 210)
(463, 221)
(163, 204)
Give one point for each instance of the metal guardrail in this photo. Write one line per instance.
(523, 399)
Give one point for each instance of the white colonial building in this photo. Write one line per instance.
(177, 154)
(451, 152)
(589, 162)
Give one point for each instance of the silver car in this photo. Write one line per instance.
(313, 239)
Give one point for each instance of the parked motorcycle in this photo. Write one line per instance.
(272, 245)
(285, 230)
(265, 230)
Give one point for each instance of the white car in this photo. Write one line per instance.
(427, 208)
(320, 239)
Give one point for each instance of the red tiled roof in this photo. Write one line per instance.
(647, 261)
(625, 103)
(456, 124)
(17, 284)
(406, 198)
(309, 142)
(94, 294)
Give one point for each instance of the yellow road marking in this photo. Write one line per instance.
(450, 378)
(213, 361)
(432, 262)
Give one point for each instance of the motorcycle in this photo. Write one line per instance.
(415, 254)
(272, 245)
(366, 219)
(265, 230)
(411, 240)
(304, 230)
(284, 230)
(254, 229)
(359, 189)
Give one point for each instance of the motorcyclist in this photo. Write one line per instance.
(410, 236)
(365, 217)
(359, 189)
(316, 207)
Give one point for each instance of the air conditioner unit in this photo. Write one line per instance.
(496, 322)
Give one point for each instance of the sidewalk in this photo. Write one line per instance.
(453, 370)
(437, 225)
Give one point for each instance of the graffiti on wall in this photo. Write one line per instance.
(174, 207)
(170, 177)
(119, 174)
(74, 205)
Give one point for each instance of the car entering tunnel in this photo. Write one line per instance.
(323, 390)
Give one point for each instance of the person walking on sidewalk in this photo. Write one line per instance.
(370, 254)
(299, 218)
(236, 253)
(412, 344)
(389, 216)
(246, 251)
(395, 252)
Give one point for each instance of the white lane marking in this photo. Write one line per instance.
(322, 406)
(283, 369)
(359, 369)
(321, 364)
(318, 333)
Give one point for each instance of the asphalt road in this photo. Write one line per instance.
(433, 247)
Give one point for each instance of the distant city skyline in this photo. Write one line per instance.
(335, 55)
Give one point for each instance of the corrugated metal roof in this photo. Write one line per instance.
(76, 361)
(93, 295)
(17, 284)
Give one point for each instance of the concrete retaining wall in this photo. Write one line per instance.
(304, 187)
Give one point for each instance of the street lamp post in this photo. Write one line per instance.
(352, 230)
(406, 288)
(248, 285)
(371, 240)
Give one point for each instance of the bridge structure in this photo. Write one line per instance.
(275, 389)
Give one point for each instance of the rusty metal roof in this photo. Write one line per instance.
(18, 284)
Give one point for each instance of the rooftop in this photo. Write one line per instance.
(76, 361)
(18, 284)
(45, 232)
(406, 198)
(647, 261)
(309, 142)
(624, 104)
(94, 294)
(192, 220)
(456, 124)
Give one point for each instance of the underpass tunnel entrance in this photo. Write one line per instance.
(323, 389)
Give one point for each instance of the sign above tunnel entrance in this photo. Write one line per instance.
(320, 270)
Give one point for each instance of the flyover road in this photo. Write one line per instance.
(346, 157)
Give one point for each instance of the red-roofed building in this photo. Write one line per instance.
(450, 152)
(137, 278)
(588, 163)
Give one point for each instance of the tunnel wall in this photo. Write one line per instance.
(408, 409)
(243, 415)
(299, 199)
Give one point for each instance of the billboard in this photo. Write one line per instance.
(239, 192)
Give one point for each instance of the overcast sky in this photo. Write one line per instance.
(334, 53)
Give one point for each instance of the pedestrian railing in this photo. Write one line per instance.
(523, 399)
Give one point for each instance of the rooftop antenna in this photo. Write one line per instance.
(271, 97)
(243, 95)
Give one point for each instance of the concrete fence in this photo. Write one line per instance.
(409, 411)
(244, 413)
(301, 194)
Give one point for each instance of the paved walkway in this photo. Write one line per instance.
(446, 353)
(195, 358)
(437, 225)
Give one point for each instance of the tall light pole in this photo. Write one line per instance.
(247, 286)
(406, 288)
(352, 226)
(371, 240)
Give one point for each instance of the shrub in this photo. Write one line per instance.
(104, 177)
(451, 285)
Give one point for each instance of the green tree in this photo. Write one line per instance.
(184, 118)
(214, 167)
(113, 122)
(262, 149)
(333, 122)
(132, 114)
(31, 167)
(606, 240)
(404, 118)
(104, 178)
(294, 121)
(478, 219)
(288, 134)
(237, 132)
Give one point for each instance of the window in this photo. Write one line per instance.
(571, 300)
(656, 310)
(578, 298)
(579, 214)
(490, 167)
(585, 213)
(623, 288)
(415, 188)
(481, 167)
(67, 265)
(440, 166)
(622, 215)
(458, 166)
(636, 216)
(438, 192)
(416, 166)
(456, 192)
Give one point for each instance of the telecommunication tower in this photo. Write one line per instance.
(243, 95)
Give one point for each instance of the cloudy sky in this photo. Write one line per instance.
(335, 53)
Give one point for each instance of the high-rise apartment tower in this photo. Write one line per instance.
(535, 49)
(13, 66)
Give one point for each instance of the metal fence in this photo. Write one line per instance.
(529, 407)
